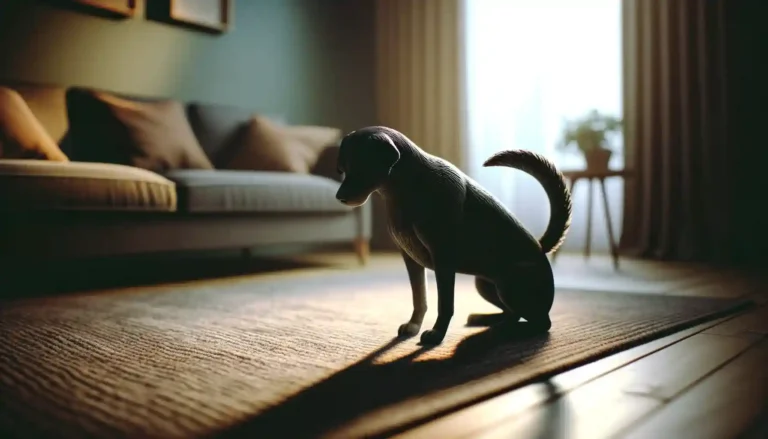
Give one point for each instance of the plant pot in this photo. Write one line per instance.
(597, 159)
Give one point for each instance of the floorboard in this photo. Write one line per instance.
(753, 324)
(605, 406)
(727, 404)
(759, 428)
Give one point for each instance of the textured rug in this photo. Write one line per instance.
(296, 355)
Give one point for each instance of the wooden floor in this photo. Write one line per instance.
(710, 381)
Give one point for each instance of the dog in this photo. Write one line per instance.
(443, 220)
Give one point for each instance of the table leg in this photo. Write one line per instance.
(609, 224)
(588, 242)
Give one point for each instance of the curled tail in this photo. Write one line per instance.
(545, 172)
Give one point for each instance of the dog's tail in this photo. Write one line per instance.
(545, 172)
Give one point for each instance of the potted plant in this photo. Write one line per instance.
(589, 135)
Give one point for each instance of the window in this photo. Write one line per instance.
(531, 64)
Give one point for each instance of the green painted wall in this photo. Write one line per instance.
(309, 60)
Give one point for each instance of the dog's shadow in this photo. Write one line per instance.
(367, 385)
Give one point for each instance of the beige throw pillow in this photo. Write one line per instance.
(265, 145)
(22, 136)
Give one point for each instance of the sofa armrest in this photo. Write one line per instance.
(326, 163)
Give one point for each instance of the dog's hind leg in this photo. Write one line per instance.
(530, 291)
(490, 293)
(487, 291)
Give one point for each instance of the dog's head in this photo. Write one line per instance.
(366, 158)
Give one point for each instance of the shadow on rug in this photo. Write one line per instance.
(368, 386)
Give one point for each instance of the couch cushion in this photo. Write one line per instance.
(46, 185)
(22, 136)
(47, 103)
(153, 135)
(217, 126)
(263, 192)
(264, 145)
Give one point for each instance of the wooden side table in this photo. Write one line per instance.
(591, 176)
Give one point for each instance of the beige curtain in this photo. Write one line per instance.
(676, 134)
(419, 73)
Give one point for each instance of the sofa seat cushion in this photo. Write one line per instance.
(256, 192)
(47, 185)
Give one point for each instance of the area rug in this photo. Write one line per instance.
(306, 354)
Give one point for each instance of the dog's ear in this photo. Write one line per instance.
(385, 151)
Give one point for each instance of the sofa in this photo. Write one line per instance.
(87, 173)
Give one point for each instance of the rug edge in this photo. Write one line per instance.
(417, 420)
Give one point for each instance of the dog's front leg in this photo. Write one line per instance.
(418, 278)
(445, 274)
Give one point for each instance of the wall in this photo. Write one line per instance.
(308, 60)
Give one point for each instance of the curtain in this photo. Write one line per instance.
(530, 65)
(418, 73)
(678, 203)
(418, 84)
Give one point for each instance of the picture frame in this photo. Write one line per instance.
(114, 8)
(207, 15)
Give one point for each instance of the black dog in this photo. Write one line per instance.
(443, 220)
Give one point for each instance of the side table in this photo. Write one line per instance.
(574, 176)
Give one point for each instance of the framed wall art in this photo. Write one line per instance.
(116, 8)
(207, 15)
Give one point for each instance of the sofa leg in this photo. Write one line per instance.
(362, 250)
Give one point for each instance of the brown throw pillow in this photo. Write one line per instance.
(265, 145)
(153, 135)
(22, 136)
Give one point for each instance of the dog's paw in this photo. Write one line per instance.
(432, 337)
(408, 329)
